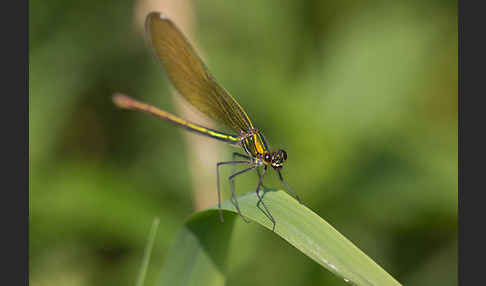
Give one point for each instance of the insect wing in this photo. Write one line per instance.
(190, 76)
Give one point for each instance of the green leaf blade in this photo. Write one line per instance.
(198, 255)
(296, 224)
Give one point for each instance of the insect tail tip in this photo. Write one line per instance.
(155, 14)
(121, 100)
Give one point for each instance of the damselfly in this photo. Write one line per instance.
(195, 83)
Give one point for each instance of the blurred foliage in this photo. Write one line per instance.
(362, 95)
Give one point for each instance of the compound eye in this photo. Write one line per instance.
(266, 157)
(283, 154)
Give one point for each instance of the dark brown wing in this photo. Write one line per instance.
(190, 76)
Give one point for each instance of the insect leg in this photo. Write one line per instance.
(260, 183)
(231, 178)
(282, 180)
(217, 182)
(236, 154)
(258, 174)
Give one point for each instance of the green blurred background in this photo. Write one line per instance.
(362, 96)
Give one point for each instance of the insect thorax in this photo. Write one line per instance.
(254, 143)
